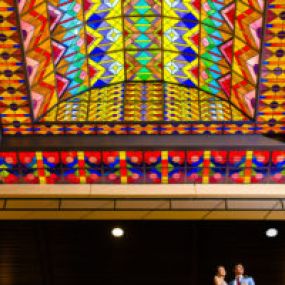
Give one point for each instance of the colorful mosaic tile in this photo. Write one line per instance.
(143, 167)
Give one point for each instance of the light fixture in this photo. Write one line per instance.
(271, 232)
(117, 232)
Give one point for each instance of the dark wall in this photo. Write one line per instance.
(83, 253)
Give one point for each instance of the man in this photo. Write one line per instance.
(240, 278)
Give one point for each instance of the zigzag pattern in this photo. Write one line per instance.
(105, 43)
(181, 38)
(137, 105)
(142, 40)
(134, 54)
(69, 49)
(272, 100)
(143, 65)
(142, 7)
(40, 69)
(217, 25)
(219, 50)
(142, 33)
(14, 100)
(181, 103)
(256, 4)
(181, 68)
(147, 102)
(246, 56)
(74, 109)
(107, 103)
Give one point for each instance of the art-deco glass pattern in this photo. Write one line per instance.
(141, 66)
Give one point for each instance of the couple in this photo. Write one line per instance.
(240, 278)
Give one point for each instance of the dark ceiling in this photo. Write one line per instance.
(67, 253)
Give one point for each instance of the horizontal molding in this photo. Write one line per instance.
(247, 191)
(141, 142)
(172, 204)
(141, 215)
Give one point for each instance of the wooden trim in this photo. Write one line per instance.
(142, 215)
(144, 190)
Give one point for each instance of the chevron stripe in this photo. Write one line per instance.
(69, 32)
(14, 100)
(34, 23)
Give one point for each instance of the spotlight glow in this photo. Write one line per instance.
(272, 232)
(117, 232)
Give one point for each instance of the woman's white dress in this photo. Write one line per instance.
(223, 282)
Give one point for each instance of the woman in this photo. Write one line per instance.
(219, 278)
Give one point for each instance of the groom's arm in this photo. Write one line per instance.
(251, 281)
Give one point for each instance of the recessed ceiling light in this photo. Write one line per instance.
(117, 232)
(272, 232)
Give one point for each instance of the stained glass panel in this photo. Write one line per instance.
(142, 64)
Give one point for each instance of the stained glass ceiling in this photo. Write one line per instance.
(195, 64)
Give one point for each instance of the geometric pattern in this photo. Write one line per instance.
(38, 56)
(104, 42)
(246, 55)
(142, 39)
(14, 98)
(218, 66)
(69, 50)
(147, 102)
(142, 167)
(272, 100)
(195, 44)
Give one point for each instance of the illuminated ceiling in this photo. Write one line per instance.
(142, 67)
